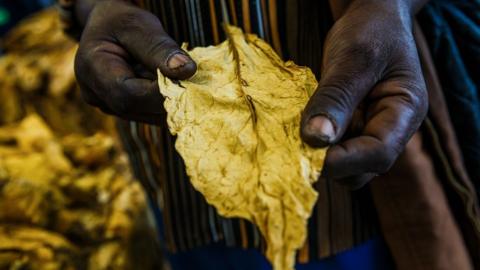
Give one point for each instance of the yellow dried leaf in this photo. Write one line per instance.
(237, 126)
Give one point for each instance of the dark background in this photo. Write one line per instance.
(11, 11)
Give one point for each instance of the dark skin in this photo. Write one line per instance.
(370, 101)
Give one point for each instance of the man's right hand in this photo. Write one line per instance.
(119, 52)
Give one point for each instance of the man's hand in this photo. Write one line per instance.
(120, 50)
(371, 97)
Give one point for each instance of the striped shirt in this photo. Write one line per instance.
(296, 30)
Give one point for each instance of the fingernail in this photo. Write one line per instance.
(322, 127)
(178, 60)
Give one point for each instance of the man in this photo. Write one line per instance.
(370, 102)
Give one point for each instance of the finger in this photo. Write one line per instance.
(349, 71)
(91, 98)
(113, 81)
(124, 92)
(143, 36)
(144, 73)
(391, 121)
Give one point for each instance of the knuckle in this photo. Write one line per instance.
(411, 98)
(415, 97)
(419, 100)
(365, 53)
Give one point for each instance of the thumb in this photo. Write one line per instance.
(145, 39)
(347, 77)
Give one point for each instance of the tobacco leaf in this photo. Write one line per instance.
(67, 197)
(237, 126)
